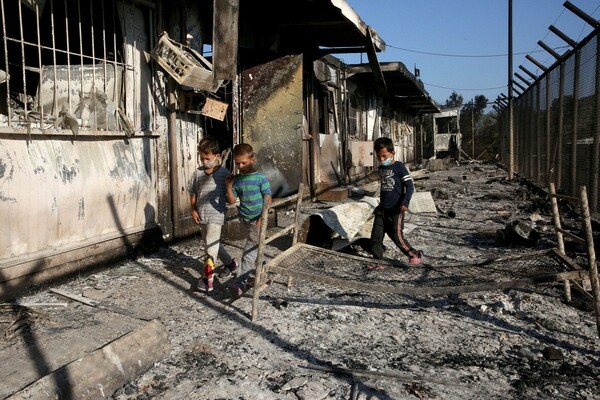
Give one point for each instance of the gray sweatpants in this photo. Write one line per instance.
(248, 265)
(211, 236)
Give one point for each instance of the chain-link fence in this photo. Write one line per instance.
(556, 124)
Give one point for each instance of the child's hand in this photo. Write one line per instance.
(403, 208)
(196, 216)
(229, 180)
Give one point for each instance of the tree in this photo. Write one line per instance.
(454, 100)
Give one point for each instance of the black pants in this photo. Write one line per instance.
(391, 222)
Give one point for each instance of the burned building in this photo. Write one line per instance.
(103, 104)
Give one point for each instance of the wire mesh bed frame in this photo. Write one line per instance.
(315, 264)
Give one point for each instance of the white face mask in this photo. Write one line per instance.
(210, 164)
(387, 161)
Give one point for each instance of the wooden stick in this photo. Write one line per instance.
(259, 259)
(44, 304)
(279, 234)
(296, 224)
(593, 268)
(564, 197)
(81, 299)
(556, 218)
(571, 236)
(94, 303)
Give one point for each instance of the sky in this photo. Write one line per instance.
(462, 45)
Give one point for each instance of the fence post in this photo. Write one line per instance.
(561, 123)
(258, 275)
(589, 238)
(573, 172)
(596, 146)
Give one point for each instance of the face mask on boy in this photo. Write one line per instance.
(210, 164)
(387, 161)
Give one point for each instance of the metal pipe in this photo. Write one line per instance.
(549, 50)
(596, 145)
(575, 10)
(538, 141)
(531, 74)
(523, 88)
(561, 123)
(511, 139)
(537, 63)
(574, 134)
(548, 131)
(561, 35)
(41, 92)
(173, 157)
(68, 57)
(9, 108)
(80, 45)
(522, 78)
(104, 62)
(22, 61)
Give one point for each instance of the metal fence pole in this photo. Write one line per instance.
(548, 130)
(594, 187)
(561, 122)
(573, 171)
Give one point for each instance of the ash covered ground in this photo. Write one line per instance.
(317, 341)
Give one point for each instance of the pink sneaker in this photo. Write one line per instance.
(235, 290)
(417, 259)
(204, 285)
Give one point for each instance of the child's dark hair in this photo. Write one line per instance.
(209, 145)
(383, 143)
(243, 149)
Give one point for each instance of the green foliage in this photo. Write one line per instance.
(454, 101)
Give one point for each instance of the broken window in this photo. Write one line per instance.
(74, 64)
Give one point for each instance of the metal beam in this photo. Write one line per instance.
(549, 50)
(522, 78)
(523, 88)
(561, 35)
(531, 74)
(374, 63)
(587, 18)
(537, 63)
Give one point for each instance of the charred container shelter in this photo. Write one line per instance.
(103, 103)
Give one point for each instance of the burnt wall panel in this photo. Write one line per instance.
(272, 112)
(56, 195)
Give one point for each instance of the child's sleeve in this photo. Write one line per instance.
(265, 186)
(407, 182)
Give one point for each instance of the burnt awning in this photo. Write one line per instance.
(299, 26)
(403, 89)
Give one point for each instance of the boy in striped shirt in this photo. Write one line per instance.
(252, 188)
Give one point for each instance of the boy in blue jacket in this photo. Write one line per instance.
(396, 189)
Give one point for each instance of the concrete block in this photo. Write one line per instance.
(338, 194)
(100, 373)
(422, 202)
